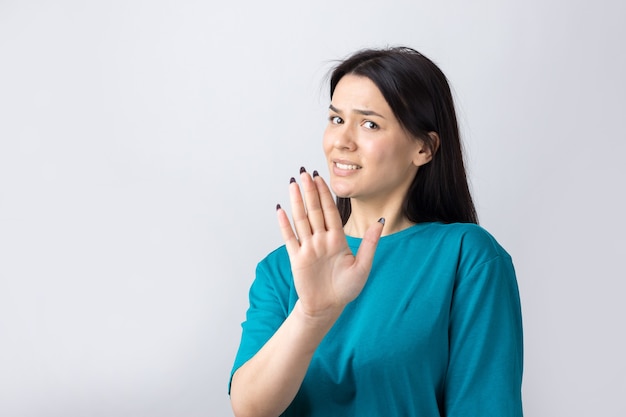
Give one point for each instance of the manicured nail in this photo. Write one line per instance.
(381, 220)
(277, 207)
(315, 174)
(302, 170)
(292, 180)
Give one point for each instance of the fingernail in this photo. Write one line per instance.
(277, 207)
(292, 180)
(302, 170)
(381, 220)
(315, 174)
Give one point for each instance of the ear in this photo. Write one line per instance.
(425, 152)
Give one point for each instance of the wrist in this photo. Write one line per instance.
(317, 320)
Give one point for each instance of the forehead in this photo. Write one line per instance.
(358, 92)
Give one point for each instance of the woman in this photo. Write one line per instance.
(425, 319)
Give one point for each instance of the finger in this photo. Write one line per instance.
(365, 254)
(332, 219)
(298, 212)
(312, 201)
(289, 237)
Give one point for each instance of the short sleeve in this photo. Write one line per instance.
(268, 308)
(484, 374)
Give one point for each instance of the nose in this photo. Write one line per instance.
(344, 139)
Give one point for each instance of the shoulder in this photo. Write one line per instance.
(275, 266)
(473, 244)
(277, 257)
(470, 238)
(273, 282)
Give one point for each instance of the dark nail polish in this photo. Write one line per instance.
(315, 174)
(302, 170)
(381, 220)
(277, 207)
(292, 180)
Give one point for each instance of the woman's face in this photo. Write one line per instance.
(371, 158)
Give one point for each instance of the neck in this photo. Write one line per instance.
(363, 216)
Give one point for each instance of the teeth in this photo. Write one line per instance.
(345, 166)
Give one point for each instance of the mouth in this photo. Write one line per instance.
(347, 166)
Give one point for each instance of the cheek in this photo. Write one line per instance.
(373, 152)
(387, 157)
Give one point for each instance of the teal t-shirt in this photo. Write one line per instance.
(436, 331)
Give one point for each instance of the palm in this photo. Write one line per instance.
(326, 273)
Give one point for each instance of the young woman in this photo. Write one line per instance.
(416, 314)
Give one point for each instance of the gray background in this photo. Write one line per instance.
(144, 145)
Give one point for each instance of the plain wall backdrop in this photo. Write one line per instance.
(145, 144)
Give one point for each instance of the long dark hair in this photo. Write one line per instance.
(419, 96)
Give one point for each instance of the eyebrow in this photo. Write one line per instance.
(363, 112)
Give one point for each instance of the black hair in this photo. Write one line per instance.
(418, 93)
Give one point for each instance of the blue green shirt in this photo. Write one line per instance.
(436, 331)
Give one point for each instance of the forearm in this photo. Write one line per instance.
(269, 381)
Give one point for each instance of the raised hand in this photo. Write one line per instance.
(327, 275)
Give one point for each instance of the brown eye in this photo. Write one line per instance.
(368, 124)
(336, 120)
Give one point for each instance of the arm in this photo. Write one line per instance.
(486, 352)
(267, 383)
(326, 277)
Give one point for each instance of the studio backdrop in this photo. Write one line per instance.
(144, 146)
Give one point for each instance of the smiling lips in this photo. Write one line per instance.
(345, 168)
(348, 167)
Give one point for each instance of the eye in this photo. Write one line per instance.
(336, 120)
(368, 124)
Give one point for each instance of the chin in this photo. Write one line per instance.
(341, 189)
(340, 194)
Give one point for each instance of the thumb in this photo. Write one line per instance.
(365, 255)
